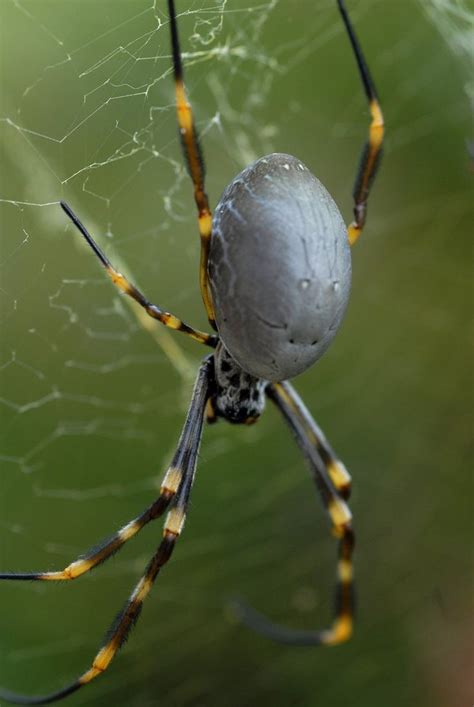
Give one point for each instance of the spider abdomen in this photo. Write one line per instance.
(279, 268)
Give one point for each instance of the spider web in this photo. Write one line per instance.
(92, 393)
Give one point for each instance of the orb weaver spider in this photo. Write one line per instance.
(275, 273)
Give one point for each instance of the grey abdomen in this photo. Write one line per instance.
(279, 268)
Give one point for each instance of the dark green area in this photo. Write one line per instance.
(91, 406)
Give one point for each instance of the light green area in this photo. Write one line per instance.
(91, 407)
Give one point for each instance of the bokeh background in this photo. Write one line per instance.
(92, 400)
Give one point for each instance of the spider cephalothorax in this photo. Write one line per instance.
(275, 279)
(239, 396)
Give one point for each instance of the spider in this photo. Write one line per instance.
(275, 272)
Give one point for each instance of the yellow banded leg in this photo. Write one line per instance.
(178, 480)
(120, 281)
(169, 488)
(300, 421)
(372, 152)
(129, 614)
(337, 471)
(172, 529)
(116, 636)
(369, 163)
(101, 552)
(295, 414)
(195, 163)
(342, 627)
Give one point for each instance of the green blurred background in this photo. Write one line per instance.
(92, 404)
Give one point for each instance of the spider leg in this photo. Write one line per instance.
(182, 476)
(105, 549)
(120, 281)
(372, 151)
(337, 471)
(195, 163)
(297, 416)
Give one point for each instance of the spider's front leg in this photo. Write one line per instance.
(337, 471)
(176, 488)
(333, 482)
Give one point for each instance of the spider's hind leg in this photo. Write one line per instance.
(195, 163)
(372, 151)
